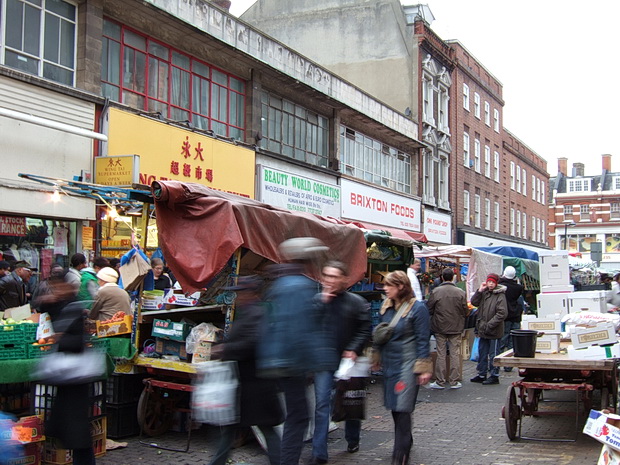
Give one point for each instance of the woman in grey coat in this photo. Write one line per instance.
(405, 359)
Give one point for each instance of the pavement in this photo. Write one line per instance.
(453, 426)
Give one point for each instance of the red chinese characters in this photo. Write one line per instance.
(191, 170)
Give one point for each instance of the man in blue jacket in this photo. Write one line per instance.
(344, 330)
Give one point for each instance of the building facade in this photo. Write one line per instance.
(584, 209)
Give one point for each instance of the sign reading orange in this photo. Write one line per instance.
(171, 153)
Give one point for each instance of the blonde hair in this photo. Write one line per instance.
(398, 278)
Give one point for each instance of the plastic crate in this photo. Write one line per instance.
(17, 334)
(11, 351)
(38, 350)
(43, 396)
(123, 388)
(54, 453)
(123, 420)
(100, 344)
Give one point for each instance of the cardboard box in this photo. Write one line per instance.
(202, 351)
(544, 325)
(174, 331)
(548, 344)
(173, 298)
(553, 267)
(601, 334)
(604, 428)
(556, 288)
(31, 455)
(587, 301)
(115, 328)
(166, 347)
(594, 352)
(608, 456)
(552, 304)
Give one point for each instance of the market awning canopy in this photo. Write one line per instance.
(201, 228)
(401, 236)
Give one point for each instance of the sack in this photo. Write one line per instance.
(350, 399)
(215, 399)
(474, 350)
(382, 333)
(65, 368)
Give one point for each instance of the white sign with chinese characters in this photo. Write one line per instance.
(297, 193)
(365, 203)
(438, 227)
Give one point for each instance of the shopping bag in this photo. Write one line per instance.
(350, 399)
(215, 399)
(67, 368)
(474, 350)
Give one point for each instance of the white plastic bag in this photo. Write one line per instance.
(67, 368)
(202, 332)
(215, 399)
(360, 368)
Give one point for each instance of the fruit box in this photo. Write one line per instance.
(117, 327)
(30, 455)
(603, 427)
(165, 347)
(166, 329)
(178, 298)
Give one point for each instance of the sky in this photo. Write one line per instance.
(558, 63)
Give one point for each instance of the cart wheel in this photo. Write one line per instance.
(156, 416)
(512, 413)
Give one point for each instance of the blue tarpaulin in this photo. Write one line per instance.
(506, 251)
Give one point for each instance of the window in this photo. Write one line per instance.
(477, 155)
(476, 105)
(512, 221)
(466, 207)
(534, 187)
(512, 175)
(368, 159)
(151, 76)
(584, 212)
(539, 232)
(466, 96)
(542, 192)
(518, 178)
(487, 214)
(444, 99)
(487, 114)
(496, 166)
(39, 38)
(568, 211)
(294, 131)
(427, 94)
(487, 161)
(534, 235)
(615, 211)
(496, 218)
(518, 225)
(579, 185)
(538, 190)
(543, 232)
(524, 226)
(477, 210)
(524, 180)
(466, 156)
(496, 120)
(617, 183)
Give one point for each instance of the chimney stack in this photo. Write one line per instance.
(562, 165)
(607, 162)
(223, 4)
(578, 169)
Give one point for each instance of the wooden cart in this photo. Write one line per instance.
(556, 372)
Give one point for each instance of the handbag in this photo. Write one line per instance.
(66, 368)
(215, 399)
(383, 332)
(350, 399)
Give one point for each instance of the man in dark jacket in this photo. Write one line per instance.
(448, 309)
(490, 299)
(514, 290)
(344, 330)
(13, 287)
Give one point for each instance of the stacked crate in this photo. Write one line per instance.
(15, 340)
(122, 394)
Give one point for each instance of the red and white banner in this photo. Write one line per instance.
(12, 226)
(364, 203)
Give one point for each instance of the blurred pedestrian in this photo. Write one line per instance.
(162, 280)
(13, 287)
(110, 298)
(412, 273)
(490, 298)
(69, 420)
(259, 402)
(344, 330)
(44, 287)
(447, 306)
(405, 358)
(286, 347)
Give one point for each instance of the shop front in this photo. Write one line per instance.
(141, 150)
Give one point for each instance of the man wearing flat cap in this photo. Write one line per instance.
(110, 298)
(490, 298)
(14, 286)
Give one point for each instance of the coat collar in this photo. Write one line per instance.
(387, 303)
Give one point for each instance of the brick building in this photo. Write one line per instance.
(585, 209)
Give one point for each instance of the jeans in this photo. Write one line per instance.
(296, 422)
(488, 350)
(454, 341)
(227, 436)
(506, 343)
(403, 440)
(323, 388)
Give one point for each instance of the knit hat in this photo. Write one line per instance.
(509, 272)
(107, 274)
(493, 277)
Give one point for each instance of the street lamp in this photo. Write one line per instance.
(566, 225)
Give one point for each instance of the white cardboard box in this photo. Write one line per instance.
(546, 325)
(553, 267)
(551, 304)
(587, 301)
(608, 456)
(601, 426)
(548, 343)
(600, 334)
(556, 288)
(594, 352)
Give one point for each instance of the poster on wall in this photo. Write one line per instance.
(297, 193)
(438, 227)
(364, 203)
(12, 226)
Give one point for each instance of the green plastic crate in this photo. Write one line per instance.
(30, 331)
(100, 344)
(13, 351)
(11, 334)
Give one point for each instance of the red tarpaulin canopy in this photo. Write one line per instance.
(398, 233)
(200, 228)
